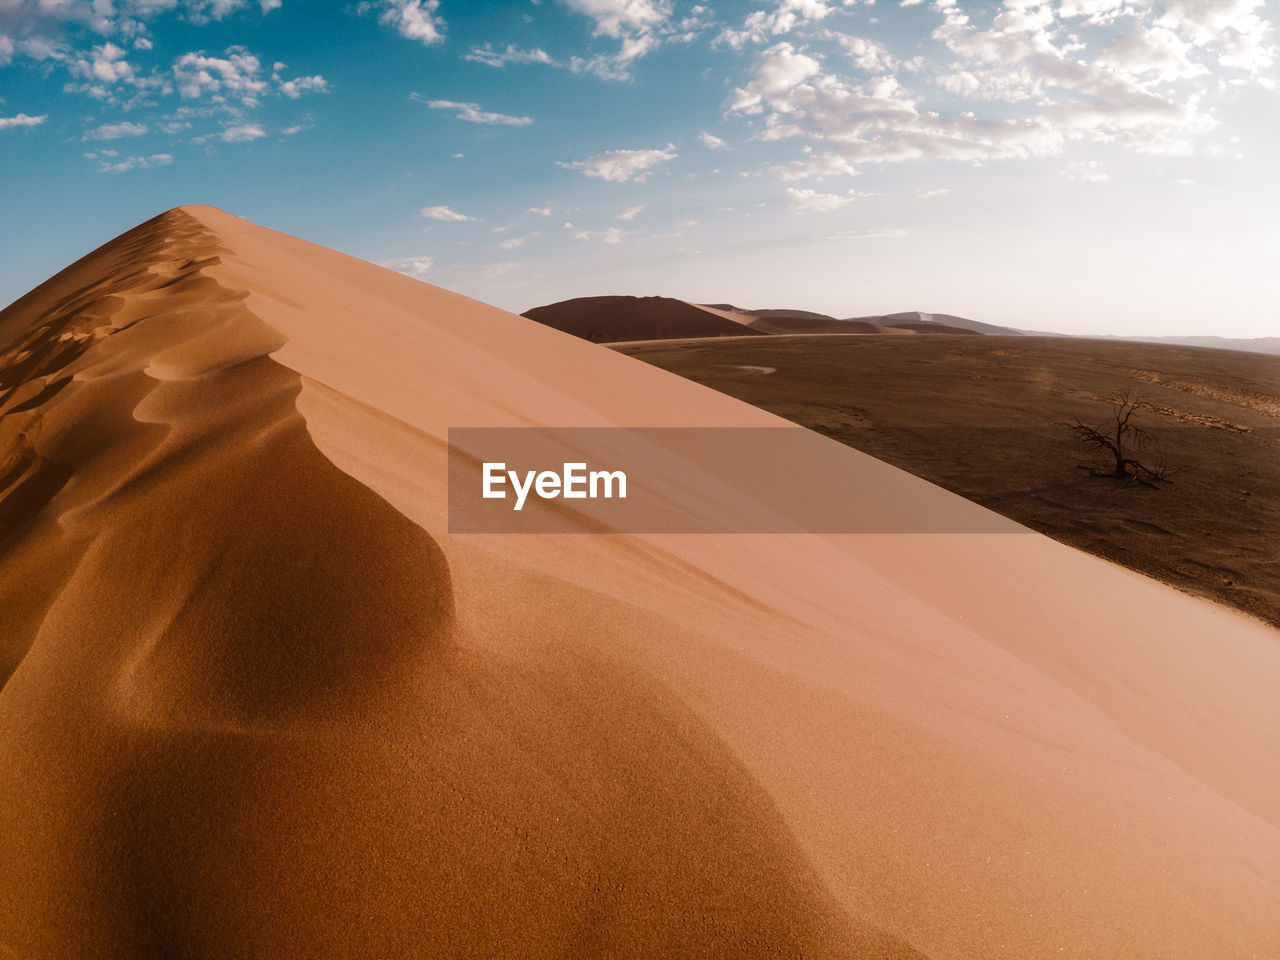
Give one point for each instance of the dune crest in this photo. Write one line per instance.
(258, 700)
(270, 736)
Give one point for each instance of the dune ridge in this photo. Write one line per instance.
(621, 319)
(260, 702)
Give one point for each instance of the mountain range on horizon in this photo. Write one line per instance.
(613, 318)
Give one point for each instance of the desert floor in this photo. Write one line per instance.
(985, 417)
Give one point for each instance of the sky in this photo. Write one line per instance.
(1080, 166)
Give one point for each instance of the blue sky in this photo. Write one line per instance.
(1088, 166)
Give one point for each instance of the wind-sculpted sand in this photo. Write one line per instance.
(258, 701)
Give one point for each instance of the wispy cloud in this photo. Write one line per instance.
(712, 142)
(639, 26)
(416, 267)
(116, 131)
(107, 162)
(811, 201)
(1085, 171)
(512, 54)
(472, 113)
(761, 25)
(611, 235)
(620, 166)
(242, 133)
(446, 214)
(515, 243)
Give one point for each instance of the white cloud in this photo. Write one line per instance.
(630, 213)
(242, 133)
(540, 211)
(110, 165)
(116, 131)
(1019, 58)
(801, 200)
(472, 113)
(780, 71)
(1093, 11)
(1085, 171)
(611, 236)
(639, 25)
(761, 25)
(620, 166)
(623, 18)
(515, 243)
(1231, 29)
(604, 67)
(815, 165)
(415, 19)
(512, 54)
(712, 142)
(866, 54)
(416, 267)
(22, 120)
(444, 213)
(296, 87)
(928, 194)
(1153, 50)
(879, 121)
(104, 64)
(238, 74)
(202, 11)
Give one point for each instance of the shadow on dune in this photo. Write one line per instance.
(239, 717)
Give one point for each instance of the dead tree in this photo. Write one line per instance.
(1120, 437)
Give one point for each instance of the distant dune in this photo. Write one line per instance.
(258, 701)
(918, 320)
(1247, 344)
(609, 319)
(621, 319)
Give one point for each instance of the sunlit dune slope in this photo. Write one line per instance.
(258, 701)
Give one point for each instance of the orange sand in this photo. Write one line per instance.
(258, 702)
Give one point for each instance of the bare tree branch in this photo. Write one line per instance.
(1119, 438)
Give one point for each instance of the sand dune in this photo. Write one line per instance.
(919, 320)
(611, 319)
(258, 701)
(634, 319)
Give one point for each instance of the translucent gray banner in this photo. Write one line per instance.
(689, 480)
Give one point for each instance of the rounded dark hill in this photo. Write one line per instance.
(612, 319)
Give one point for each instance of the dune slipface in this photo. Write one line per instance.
(258, 701)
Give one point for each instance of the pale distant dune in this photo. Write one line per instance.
(258, 701)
